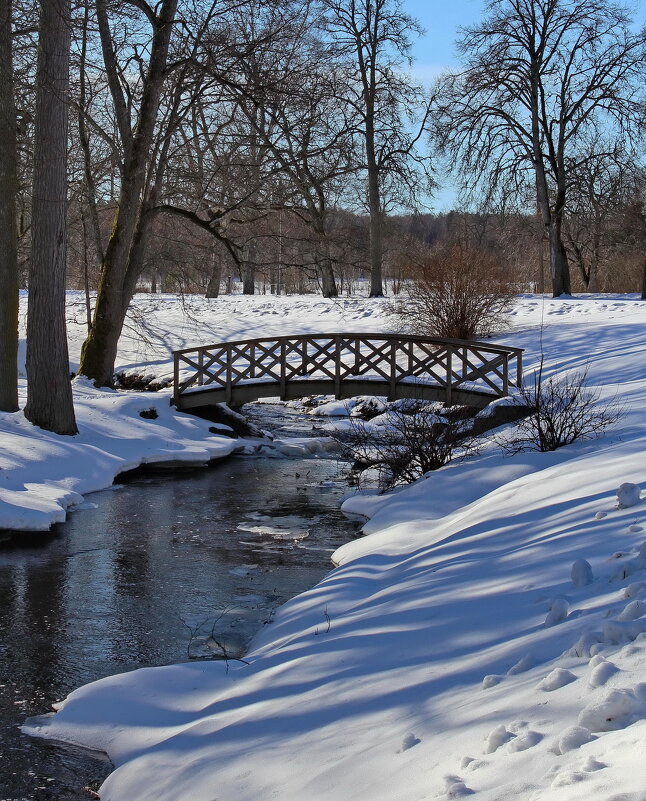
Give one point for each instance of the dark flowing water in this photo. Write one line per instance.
(155, 571)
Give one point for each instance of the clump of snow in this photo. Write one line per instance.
(524, 741)
(584, 646)
(558, 612)
(628, 495)
(558, 678)
(572, 738)
(491, 680)
(616, 710)
(602, 671)
(632, 611)
(497, 738)
(409, 741)
(633, 589)
(617, 631)
(523, 664)
(591, 764)
(455, 787)
(581, 573)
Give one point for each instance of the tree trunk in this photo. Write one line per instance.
(8, 228)
(213, 288)
(248, 268)
(644, 281)
(376, 219)
(116, 282)
(328, 284)
(558, 260)
(249, 278)
(49, 392)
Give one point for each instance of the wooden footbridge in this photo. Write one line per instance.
(452, 371)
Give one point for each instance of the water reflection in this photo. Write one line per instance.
(144, 578)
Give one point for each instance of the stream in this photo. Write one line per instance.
(155, 570)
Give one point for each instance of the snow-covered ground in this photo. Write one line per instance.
(462, 647)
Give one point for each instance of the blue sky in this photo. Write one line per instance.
(441, 19)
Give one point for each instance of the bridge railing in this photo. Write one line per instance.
(390, 359)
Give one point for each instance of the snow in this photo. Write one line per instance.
(628, 495)
(423, 666)
(581, 573)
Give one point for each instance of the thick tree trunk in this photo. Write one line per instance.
(249, 278)
(376, 224)
(328, 283)
(8, 229)
(213, 288)
(49, 393)
(116, 283)
(644, 281)
(558, 260)
(248, 268)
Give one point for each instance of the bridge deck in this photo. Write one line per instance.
(344, 365)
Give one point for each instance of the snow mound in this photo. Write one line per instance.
(616, 710)
(558, 678)
(628, 495)
(581, 573)
(572, 738)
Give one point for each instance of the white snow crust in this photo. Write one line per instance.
(437, 677)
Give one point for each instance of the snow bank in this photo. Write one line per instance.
(43, 474)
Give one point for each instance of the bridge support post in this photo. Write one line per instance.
(449, 377)
(337, 368)
(283, 370)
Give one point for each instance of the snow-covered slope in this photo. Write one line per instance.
(461, 648)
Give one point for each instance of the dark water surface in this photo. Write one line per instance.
(157, 570)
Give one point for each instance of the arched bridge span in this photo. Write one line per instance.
(452, 371)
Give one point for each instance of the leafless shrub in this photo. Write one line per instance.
(565, 410)
(457, 292)
(413, 441)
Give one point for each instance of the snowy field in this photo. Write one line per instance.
(461, 648)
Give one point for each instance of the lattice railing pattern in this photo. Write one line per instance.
(392, 358)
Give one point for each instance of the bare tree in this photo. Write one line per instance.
(539, 76)
(370, 40)
(123, 257)
(8, 226)
(49, 393)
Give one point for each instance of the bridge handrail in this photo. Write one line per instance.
(370, 335)
(469, 357)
